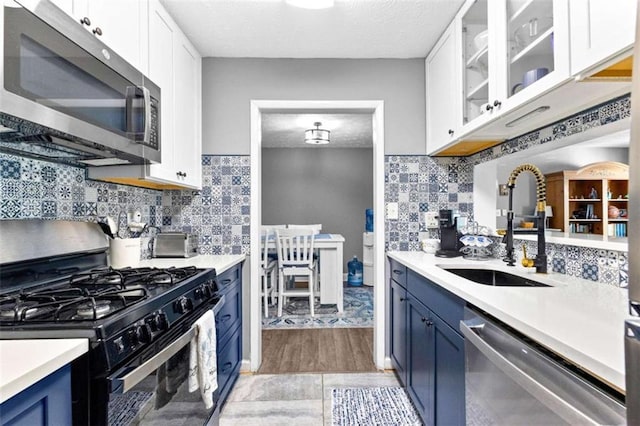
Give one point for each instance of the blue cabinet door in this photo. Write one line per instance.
(398, 354)
(449, 375)
(420, 365)
(47, 402)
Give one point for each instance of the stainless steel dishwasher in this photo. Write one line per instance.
(512, 381)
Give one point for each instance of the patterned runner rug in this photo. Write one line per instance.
(380, 406)
(358, 312)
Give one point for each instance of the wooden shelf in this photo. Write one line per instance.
(604, 177)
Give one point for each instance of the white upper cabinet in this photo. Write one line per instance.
(443, 106)
(175, 65)
(533, 46)
(120, 24)
(507, 52)
(601, 30)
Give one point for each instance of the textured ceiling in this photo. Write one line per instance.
(350, 29)
(281, 130)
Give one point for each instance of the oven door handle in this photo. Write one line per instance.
(125, 379)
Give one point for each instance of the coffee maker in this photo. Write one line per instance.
(449, 236)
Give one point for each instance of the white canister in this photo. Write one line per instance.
(124, 252)
(430, 245)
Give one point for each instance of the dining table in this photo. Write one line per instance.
(330, 248)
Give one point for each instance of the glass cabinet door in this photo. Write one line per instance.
(530, 43)
(475, 56)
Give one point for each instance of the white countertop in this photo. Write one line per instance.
(581, 320)
(221, 262)
(25, 362)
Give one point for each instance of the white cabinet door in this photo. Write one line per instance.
(442, 91)
(600, 30)
(162, 34)
(443, 94)
(175, 66)
(120, 24)
(188, 141)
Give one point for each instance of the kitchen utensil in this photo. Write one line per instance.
(529, 78)
(106, 229)
(123, 225)
(113, 227)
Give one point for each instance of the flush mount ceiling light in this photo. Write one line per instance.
(317, 136)
(311, 4)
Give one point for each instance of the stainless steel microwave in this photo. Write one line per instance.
(67, 97)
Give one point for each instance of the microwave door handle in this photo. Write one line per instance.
(132, 93)
(472, 332)
(124, 379)
(147, 114)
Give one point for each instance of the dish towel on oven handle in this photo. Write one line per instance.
(202, 358)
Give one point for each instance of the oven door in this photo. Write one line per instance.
(152, 388)
(58, 75)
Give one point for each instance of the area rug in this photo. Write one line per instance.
(124, 409)
(380, 406)
(358, 312)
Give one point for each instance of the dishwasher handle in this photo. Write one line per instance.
(472, 331)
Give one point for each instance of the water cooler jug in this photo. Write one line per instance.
(354, 277)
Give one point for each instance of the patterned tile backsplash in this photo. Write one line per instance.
(220, 212)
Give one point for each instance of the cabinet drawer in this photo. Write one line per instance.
(227, 279)
(444, 304)
(398, 272)
(229, 357)
(228, 317)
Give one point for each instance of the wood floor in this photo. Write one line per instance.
(323, 350)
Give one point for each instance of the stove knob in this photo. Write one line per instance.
(161, 322)
(143, 332)
(199, 293)
(133, 337)
(183, 305)
(119, 344)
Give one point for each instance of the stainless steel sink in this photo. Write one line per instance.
(494, 277)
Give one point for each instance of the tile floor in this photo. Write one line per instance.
(291, 399)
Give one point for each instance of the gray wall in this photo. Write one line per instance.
(331, 186)
(228, 85)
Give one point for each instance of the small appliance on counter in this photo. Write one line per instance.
(449, 236)
(175, 244)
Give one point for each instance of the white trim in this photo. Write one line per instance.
(255, 319)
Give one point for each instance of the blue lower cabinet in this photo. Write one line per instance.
(47, 402)
(420, 368)
(433, 371)
(398, 296)
(229, 331)
(449, 374)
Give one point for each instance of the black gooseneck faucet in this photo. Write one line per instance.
(540, 261)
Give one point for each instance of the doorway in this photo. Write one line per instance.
(376, 108)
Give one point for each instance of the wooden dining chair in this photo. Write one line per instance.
(295, 258)
(268, 270)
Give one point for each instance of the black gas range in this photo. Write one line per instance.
(55, 283)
